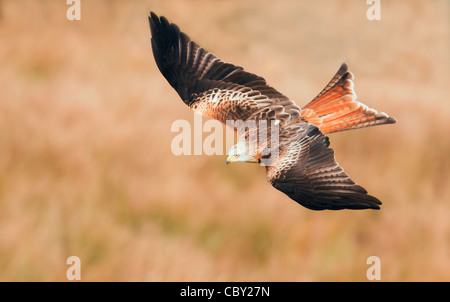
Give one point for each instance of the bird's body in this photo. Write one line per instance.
(304, 167)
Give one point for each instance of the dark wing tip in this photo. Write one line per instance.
(154, 22)
(160, 25)
(351, 201)
(366, 202)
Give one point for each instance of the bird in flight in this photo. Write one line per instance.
(305, 168)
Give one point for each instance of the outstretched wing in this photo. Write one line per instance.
(210, 86)
(307, 172)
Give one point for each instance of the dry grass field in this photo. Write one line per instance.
(86, 167)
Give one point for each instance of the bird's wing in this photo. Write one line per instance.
(306, 170)
(210, 86)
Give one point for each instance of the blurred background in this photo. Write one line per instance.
(86, 167)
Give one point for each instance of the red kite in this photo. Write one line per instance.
(305, 169)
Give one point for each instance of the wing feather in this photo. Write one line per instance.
(307, 172)
(196, 73)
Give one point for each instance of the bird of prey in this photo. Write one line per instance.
(305, 168)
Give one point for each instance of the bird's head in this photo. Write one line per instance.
(239, 153)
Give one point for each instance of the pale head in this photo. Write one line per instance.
(240, 153)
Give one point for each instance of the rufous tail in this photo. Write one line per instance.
(336, 108)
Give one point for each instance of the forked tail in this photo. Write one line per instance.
(336, 108)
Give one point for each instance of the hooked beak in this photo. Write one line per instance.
(229, 160)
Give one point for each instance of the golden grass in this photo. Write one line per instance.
(86, 167)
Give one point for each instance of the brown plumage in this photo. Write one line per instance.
(306, 169)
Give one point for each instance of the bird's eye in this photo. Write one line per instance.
(237, 155)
